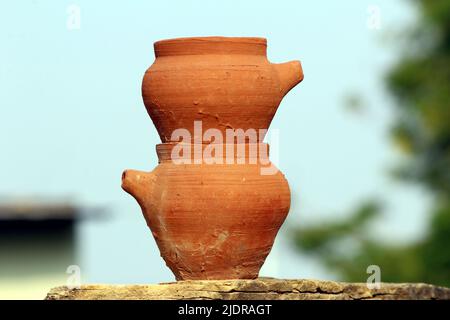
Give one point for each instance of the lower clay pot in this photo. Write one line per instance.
(211, 221)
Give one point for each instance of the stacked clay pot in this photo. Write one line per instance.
(214, 215)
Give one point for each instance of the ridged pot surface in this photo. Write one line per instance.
(211, 221)
(226, 83)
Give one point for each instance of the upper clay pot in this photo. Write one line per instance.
(224, 82)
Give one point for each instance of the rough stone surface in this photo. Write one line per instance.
(259, 289)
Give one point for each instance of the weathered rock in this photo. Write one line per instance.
(259, 289)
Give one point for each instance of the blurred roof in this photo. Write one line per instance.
(38, 208)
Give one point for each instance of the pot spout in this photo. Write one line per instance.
(290, 74)
(138, 184)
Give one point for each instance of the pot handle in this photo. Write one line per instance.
(290, 74)
(138, 184)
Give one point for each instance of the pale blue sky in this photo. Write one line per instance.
(72, 118)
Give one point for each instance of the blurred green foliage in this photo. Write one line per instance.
(420, 83)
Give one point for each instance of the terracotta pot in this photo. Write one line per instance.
(224, 82)
(211, 221)
(213, 218)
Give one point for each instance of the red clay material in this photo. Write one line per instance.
(213, 216)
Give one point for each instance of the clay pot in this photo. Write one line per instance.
(224, 82)
(213, 218)
(211, 221)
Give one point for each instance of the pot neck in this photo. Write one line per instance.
(245, 153)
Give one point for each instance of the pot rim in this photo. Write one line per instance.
(253, 40)
(259, 151)
(210, 45)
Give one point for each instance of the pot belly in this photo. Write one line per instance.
(216, 221)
